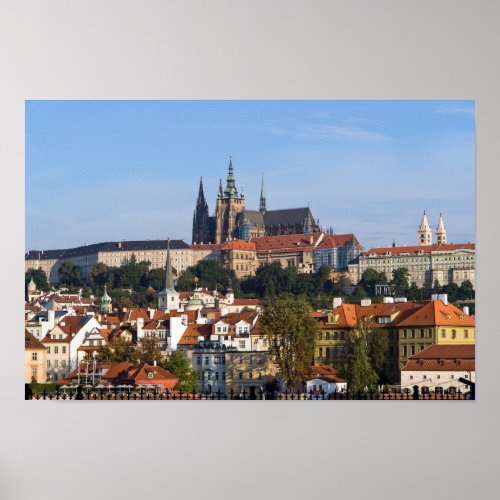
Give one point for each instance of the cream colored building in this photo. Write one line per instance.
(426, 262)
(34, 359)
(247, 369)
(114, 254)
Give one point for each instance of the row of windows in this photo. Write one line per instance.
(332, 336)
(55, 363)
(56, 349)
(413, 334)
(424, 376)
(412, 349)
(222, 360)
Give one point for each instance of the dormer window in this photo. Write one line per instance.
(150, 375)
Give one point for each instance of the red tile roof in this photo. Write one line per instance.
(443, 358)
(297, 242)
(31, 342)
(248, 246)
(416, 249)
(192, 332)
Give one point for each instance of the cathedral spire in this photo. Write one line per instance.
(169, 278)
(262, 207)
(230, 191)
(201, 195)
(220, 194)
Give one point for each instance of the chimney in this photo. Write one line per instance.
(366, 302)
(51, 317)
(466, 310)
(140, 325)
(311, 239)
(443, 297)
(337, 301)
(154, 362)
(151, 313)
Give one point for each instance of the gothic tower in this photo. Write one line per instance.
(262, 205)
(424, 232)
(201, 225)
(229, 204)
(441, 232)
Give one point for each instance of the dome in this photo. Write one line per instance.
(106, 299)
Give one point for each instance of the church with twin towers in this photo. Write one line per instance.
(232, 220)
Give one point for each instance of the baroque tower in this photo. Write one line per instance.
(228, 206)
(424, 232)
(441, 232)
(201, 219)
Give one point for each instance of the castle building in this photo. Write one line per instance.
(426, 262)
(233, 220)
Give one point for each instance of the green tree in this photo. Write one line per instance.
(359, 372)
(378, 351)
(436, 287)
(291, 332)
(452, 291)
(102, 274)
(117, 350)
(148, 351)
(414, 292)
(39, 277)
(156, 278)
(466, 290)
(179, 365)
(70, 274)
(370, 278)
(399, 281)
(211, 275)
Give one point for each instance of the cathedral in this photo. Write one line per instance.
(233, 220)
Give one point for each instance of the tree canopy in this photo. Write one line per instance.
(292, 333)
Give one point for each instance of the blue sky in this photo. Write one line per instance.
(112, 170)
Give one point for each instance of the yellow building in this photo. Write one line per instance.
(411, 327)
(34, 359)
(247, 369)
(240, 257)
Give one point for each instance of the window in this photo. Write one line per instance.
(48, 350)
(453, 334)
(405, 351)
(413, 334)
(250, 375)
(411, 377)
(216, 375)
(412, 350)
(240, 375)
(56, 363)
(48, 363)
(327, 335)
(260, 360)
(63, 363)
(429, 333)
(56, 350)
(443, 334)
(466, 334)
(217, 360)
(206, 360)
(64, 349)
(241, 360)
(241, 344)
(425, 377)
(223, 375)
(198, 360)
(404, 334)
(34, 356)
(260, 375)
(320, 352)
(421, 334)
(34, 373)
(438, 376)
(327, 352)
(452, 376)
(250, 360)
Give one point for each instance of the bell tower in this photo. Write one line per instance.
(441, 232)
(424, 232)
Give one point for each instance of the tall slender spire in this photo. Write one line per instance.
(262, 206)
(220, 194)
(200, 191)
(230, 191)
(169, 278)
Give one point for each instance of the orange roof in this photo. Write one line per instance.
(192, 332)
(247, 302)
(238, 245)
(205, 246)
(416, 249)
(339, 240)
(437, 313)
(443, 358)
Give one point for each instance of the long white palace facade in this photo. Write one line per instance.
(426, 262)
